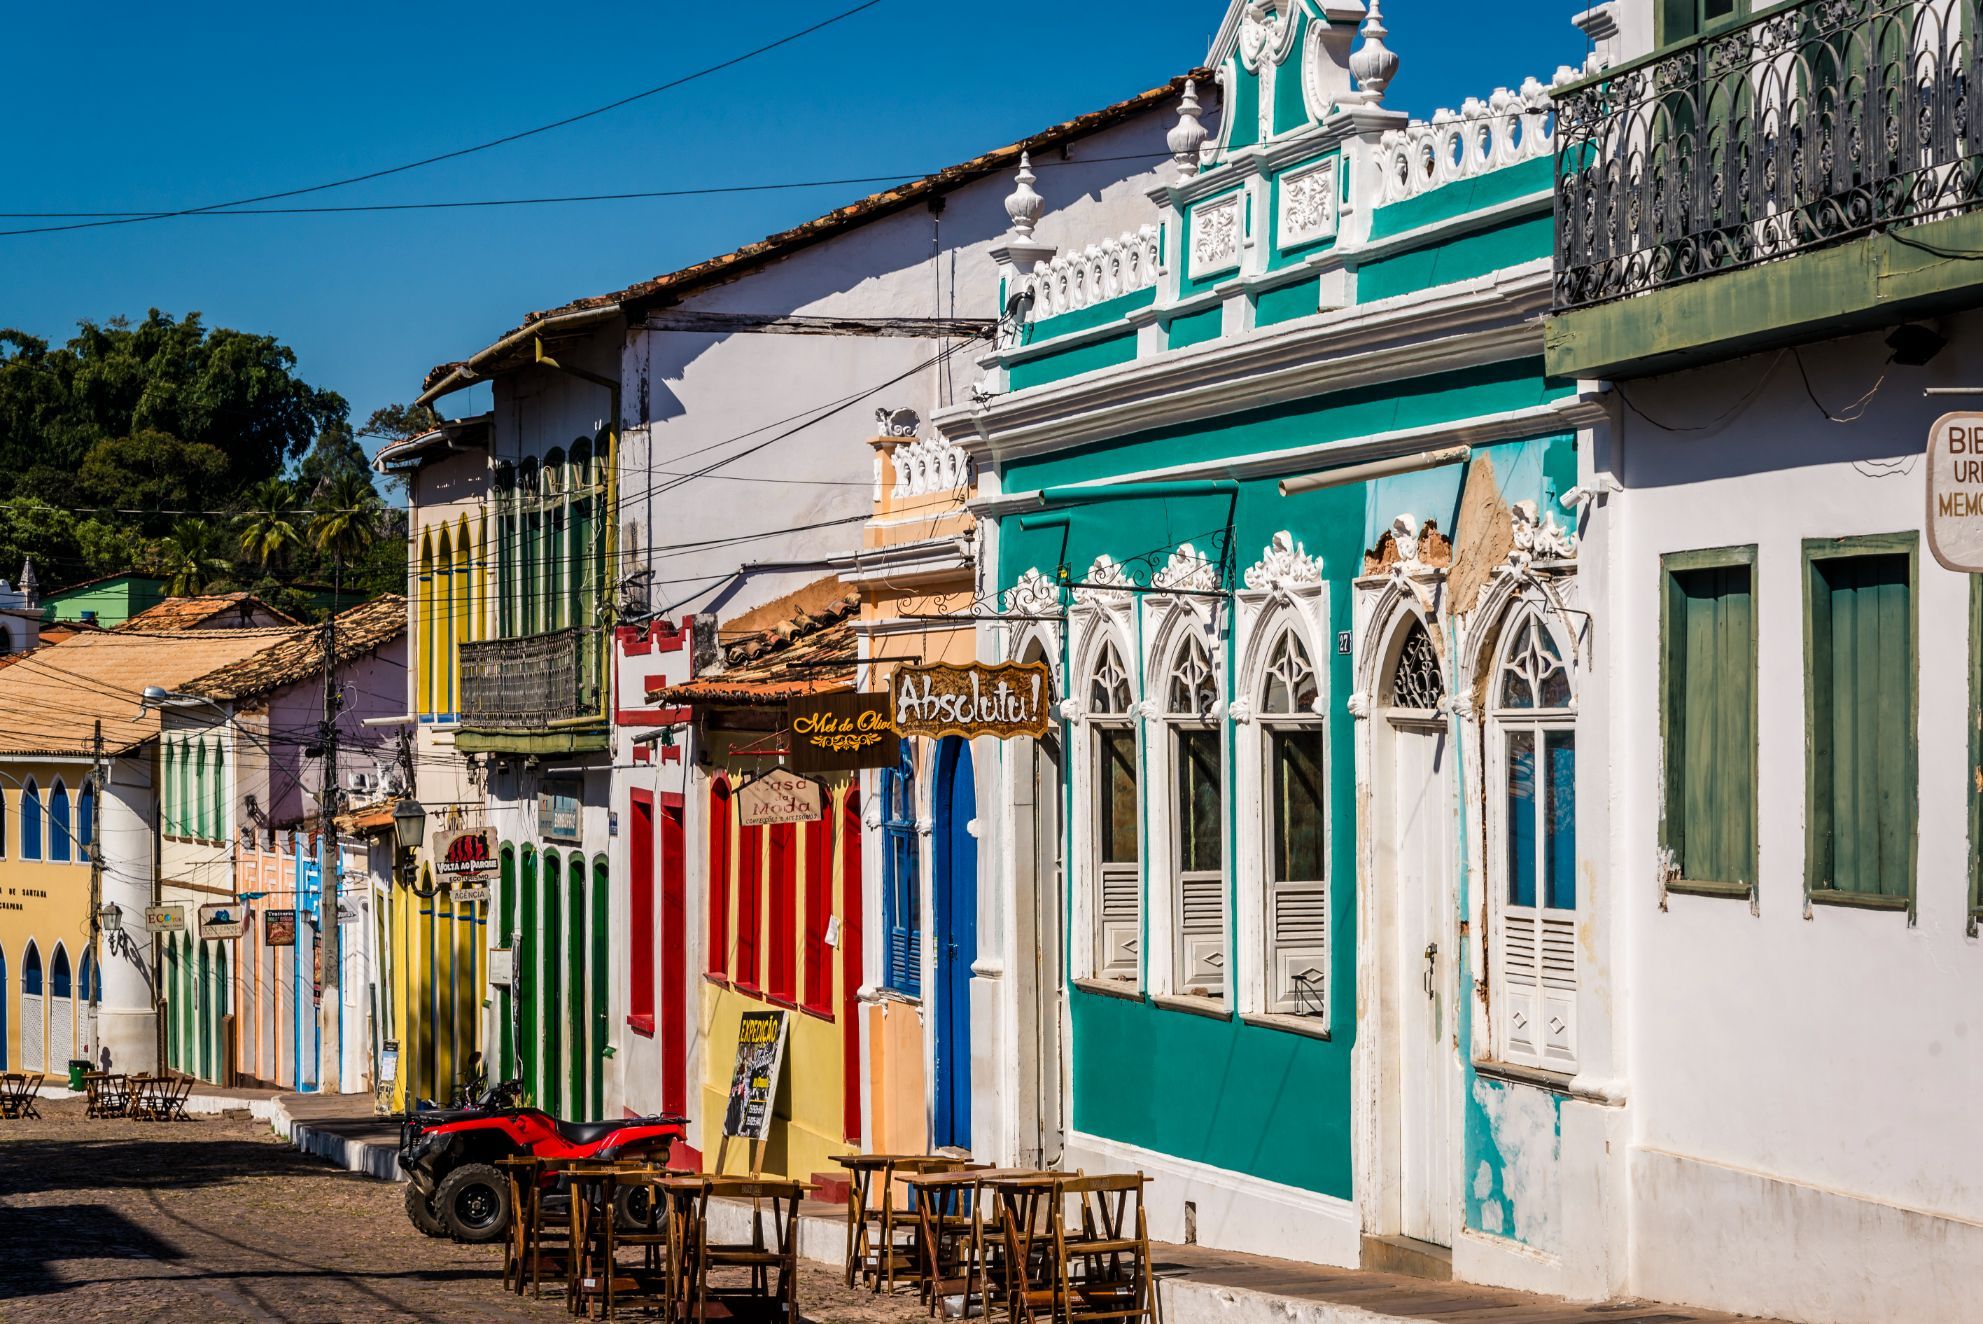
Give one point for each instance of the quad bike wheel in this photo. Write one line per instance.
(474, 1203)
(632, 1207)
(420, 1212)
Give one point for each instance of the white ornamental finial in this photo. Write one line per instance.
(1025, 206)
(1374, 63)
(1187, 136)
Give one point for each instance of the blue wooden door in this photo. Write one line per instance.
(956, 889)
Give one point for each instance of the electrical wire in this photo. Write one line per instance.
(460, 152)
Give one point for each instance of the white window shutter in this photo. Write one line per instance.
(1202, 934)
(1521, 1010)
(1119, 932)
(1298, 948)
(1559, 989)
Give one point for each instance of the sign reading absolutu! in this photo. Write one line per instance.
(754, 1083)
(1955, 492)
(467, 855)
(1004, 699)
(841, 732)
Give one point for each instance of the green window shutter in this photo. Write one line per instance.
(1709, 715)
(1862, 745)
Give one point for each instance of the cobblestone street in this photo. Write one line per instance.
(214, 1219)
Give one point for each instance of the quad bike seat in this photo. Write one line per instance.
(586, 1133)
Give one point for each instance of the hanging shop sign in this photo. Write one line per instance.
(165, 919)
(1955, 492)
(780, 796)
(841, 733)
(754, 1083)
(223, 919)
(468, 894)
(279, 928)
(1004, 700)
(466, 856)
(557, 811)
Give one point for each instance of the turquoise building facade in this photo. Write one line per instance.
(1280, 488)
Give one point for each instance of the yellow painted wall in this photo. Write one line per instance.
(808, 1126)
(45, 901)
(437, 976)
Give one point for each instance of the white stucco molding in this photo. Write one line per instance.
(1467, 324)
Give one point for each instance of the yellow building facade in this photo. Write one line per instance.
(47, 816)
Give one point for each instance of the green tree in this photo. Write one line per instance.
(336, 451)
(268, 532)
(398, 422)
(152, 471)
(346, 521)
(195, 558)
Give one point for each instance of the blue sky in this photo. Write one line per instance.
(123, 107)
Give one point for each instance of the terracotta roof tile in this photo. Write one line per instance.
(191, 613)
(360, 630)
(809, 653)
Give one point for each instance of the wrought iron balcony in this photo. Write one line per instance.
(1806, 126)
(523, 684)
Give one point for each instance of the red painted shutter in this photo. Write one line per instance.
(719, 879)
(750, 904)
(781, 978)
(640, 919)
(819, 911)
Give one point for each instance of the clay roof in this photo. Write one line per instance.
(193, 612)
(52, 696)
(808, 653)
(300, 654)
(674, 285)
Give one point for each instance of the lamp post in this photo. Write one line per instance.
(409, 826)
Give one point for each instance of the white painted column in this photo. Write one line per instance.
(127, 1020)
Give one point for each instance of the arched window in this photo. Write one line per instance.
(1191, 697)
(719, 878)
(90, 986)
(1296, 900)
(423, 640)
(60, 841)
(31, 971)
(198, 806)
(582, 586)
(901, 877)
(504, 555)
(530, 588)
(1118, 879)
(85, 821)
(1533, 753)
(58, 974)
(441, 635)
(182, 790)
(1417, 681)
(30, 820)
(217, 794)
(168, 805)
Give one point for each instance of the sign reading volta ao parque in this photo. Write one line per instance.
(1004, 700)
(1955, 492)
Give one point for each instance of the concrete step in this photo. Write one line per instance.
(1408, 1257)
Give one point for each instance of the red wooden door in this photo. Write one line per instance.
(674, 960)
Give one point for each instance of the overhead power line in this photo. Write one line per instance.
(460, 152)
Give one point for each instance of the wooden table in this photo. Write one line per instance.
(873, 1256)
(1028, 1209)
(107, 1094)
(596, 1277)
(17, 1093)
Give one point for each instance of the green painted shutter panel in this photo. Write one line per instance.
(1862, 680)
(1710, 698)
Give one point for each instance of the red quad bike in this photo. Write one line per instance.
(454, 1187)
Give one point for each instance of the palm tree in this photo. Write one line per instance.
(267, 532)
(195, 555)
(346, 522)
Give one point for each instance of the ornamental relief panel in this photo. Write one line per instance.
(1216, 235)
(1308, 204)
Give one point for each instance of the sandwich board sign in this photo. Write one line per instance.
(754, 1082)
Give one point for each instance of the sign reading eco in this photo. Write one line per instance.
(1004, 699)
(1955, 492)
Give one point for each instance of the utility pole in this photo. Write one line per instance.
(98, 787)
(330, 933)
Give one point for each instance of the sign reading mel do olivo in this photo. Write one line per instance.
(1955, 492)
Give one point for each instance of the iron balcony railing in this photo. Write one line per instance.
(521, 684)
(1807, 125)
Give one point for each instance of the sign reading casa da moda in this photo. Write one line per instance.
(780, 796)
(1003, 700)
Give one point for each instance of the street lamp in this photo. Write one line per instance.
(110, 919)
(409, 827)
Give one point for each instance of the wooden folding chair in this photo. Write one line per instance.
(1102, 1264)
(1029, 1226)
(769, 1261)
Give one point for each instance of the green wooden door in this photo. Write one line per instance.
(576, 1012)
(506, 937)
(549, 981)
(524, 970)
(599, 980)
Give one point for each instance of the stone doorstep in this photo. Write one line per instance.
(1194, 1283)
